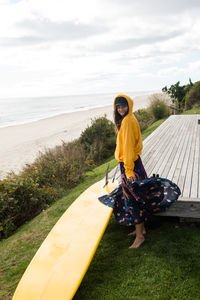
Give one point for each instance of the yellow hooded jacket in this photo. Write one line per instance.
(129, 140)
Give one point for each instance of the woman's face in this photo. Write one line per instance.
(122, 109)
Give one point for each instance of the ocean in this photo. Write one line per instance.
(15, 111)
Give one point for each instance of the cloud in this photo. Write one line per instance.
(61, 30)
(169, 71)
(19, 41)
(4, 2)
(42, 31)
(124, 44)
(15, 1)
(56, 46)
(156, 7)
(194, 67)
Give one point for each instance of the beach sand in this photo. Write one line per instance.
(21, 144)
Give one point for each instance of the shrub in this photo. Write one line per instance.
(158, 107)
(144, 117)
(178, 93)
(62, 166)
(20, 200)
(99, 139)
(25, 195)
(193, 96)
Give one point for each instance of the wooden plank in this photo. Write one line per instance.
(198, 133)
(156, 156)
(199, 157)
(154, 140)
(184, 168)
(189, 172)
(173, 158)
(159, 131)
(163, 144)
(183, 208)
(179, 175)
(175, 169)
(170, 151)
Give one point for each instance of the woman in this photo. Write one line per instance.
(137, 197)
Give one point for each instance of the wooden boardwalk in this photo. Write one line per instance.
(173, 152)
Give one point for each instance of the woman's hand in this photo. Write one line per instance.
(131, 179)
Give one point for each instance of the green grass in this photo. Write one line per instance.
(191, 111)
(165, 267)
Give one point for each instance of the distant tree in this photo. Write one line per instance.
(178, 92)
(193, 96)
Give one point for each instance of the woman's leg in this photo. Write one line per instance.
(134, 231)
(139, 236)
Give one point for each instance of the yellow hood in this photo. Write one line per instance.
(129, 140)
(129, 100)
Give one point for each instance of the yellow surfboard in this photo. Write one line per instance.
(62, 260)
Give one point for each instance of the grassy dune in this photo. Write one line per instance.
(167, 266)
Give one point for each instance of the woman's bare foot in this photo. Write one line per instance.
(138, 242)
(134, 232)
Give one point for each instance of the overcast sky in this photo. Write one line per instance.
(63, 47)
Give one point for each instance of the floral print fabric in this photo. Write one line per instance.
(133, 203)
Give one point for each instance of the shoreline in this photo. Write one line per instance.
(54, 116)
(15, 121)
(21, 144)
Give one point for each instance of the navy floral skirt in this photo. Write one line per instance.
(133, 203)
